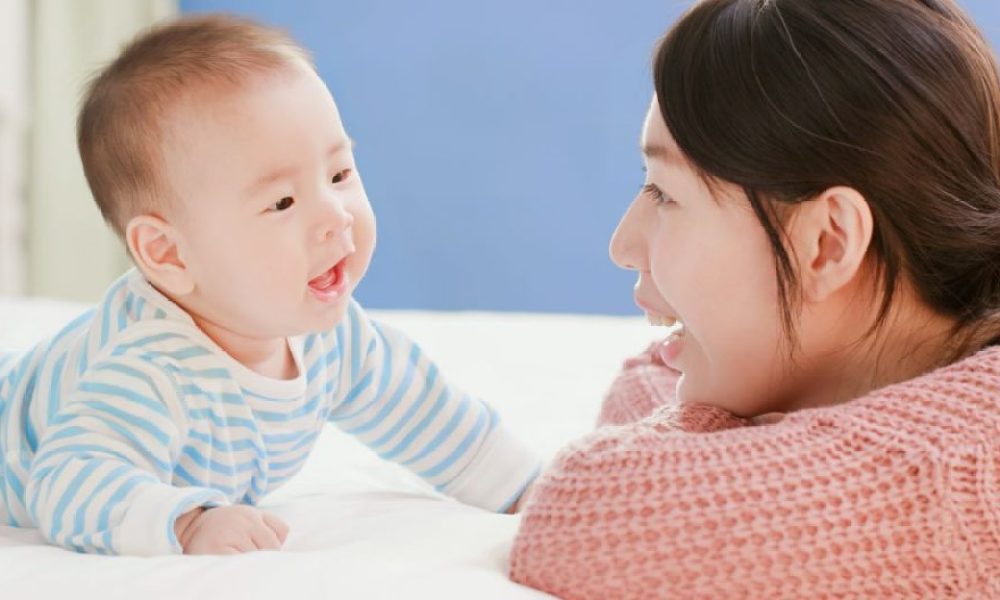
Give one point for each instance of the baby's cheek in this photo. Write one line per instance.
(364, 244)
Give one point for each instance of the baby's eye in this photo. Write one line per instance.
(283, 204)
(342, 175)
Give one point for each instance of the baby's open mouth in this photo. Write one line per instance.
(332, 283)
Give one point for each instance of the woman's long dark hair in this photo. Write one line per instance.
(898, 99)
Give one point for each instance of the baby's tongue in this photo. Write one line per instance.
(324, 280)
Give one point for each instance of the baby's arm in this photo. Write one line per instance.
(399, 404)
(101, 478)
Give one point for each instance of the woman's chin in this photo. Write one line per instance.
(688, 393)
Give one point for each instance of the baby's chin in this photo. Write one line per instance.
(328, 320)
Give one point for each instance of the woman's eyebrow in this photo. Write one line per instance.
(653, 150)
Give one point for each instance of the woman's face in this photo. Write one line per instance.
(704, 260)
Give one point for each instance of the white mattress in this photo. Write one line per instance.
(360, 527)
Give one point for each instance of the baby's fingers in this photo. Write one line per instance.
(264, 538)
(242, 543)
(279, 527)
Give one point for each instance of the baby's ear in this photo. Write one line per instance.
(153, 244)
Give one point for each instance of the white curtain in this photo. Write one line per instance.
(13, 129)
(70, 251)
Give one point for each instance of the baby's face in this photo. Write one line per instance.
(273, 222)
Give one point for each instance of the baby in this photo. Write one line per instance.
(157, 421)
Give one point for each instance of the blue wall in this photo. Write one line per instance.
(498, 139)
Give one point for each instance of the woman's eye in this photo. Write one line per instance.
(341, 176)
(283, 204)
(655, 193)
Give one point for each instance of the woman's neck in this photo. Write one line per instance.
(913, 341)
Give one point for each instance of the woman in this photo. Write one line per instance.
(821, 215)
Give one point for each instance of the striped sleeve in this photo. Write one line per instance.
(100, 481)
(399, 404)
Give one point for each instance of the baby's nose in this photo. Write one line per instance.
(336, 222)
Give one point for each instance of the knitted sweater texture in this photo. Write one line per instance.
(895, 494)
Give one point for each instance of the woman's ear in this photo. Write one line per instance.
(153, 244)
(831, 235)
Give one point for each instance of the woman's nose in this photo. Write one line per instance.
(628, 243)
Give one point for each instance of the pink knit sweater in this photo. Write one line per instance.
(893, 495)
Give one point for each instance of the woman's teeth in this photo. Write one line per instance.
(660, 320)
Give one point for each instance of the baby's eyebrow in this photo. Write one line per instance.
(270, 178)
(346, 142)
(290, 171)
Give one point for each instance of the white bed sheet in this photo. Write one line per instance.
(361, 527)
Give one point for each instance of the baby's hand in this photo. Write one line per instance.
(229, 530)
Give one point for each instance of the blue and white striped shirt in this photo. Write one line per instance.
(131, 416)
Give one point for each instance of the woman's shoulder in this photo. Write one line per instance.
(961, 399)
